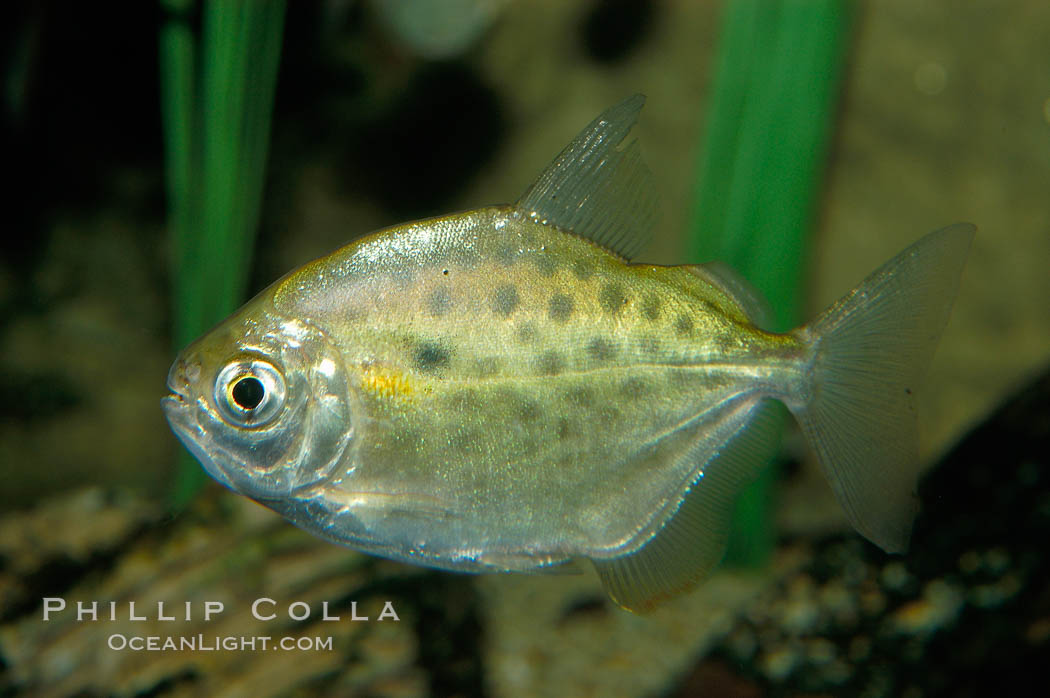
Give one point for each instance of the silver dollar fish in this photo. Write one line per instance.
(501, 390)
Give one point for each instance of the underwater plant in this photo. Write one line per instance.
(777, 76)
(217, 91)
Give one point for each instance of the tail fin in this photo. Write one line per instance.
(868, 351)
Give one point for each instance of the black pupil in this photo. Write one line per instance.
(248, 392)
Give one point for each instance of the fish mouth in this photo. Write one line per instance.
(174, 401)
(180, 413)
(179, 397)
(177, 400)
(173, 405)
(180, 410)
(178, 383)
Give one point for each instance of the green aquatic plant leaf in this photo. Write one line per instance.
(778, 72)
(217, 93)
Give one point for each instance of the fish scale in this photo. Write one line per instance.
(502, 390)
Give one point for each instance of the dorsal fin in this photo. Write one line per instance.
(599, 187)
(750, 299)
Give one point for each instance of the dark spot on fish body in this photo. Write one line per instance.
(528, 410)
(560, 307)
(526, 333)
(566, 429)
(683, 325)
(550, 363)
(517, 405)
(725, 342)
(582, 270)
(432, 357)
(601, 349)
(580, 397)
(505, 300)
(546, 264)
(635, 387)
(612, 298)
(651, 307)
(440, 302)
(569, 461)
(609, 416)
(652, 346)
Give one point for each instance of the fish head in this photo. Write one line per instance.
(262, 402)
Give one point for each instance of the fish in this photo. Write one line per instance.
(504, 390)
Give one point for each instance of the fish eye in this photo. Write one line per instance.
(249, 392)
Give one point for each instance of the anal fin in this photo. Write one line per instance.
(694, 539)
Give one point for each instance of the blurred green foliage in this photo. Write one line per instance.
(772, 108)
(217, 92)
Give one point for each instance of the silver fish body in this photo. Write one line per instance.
(500, 390)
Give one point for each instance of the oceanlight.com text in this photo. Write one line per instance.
(216, 643)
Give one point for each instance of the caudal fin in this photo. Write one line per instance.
(868, 352)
